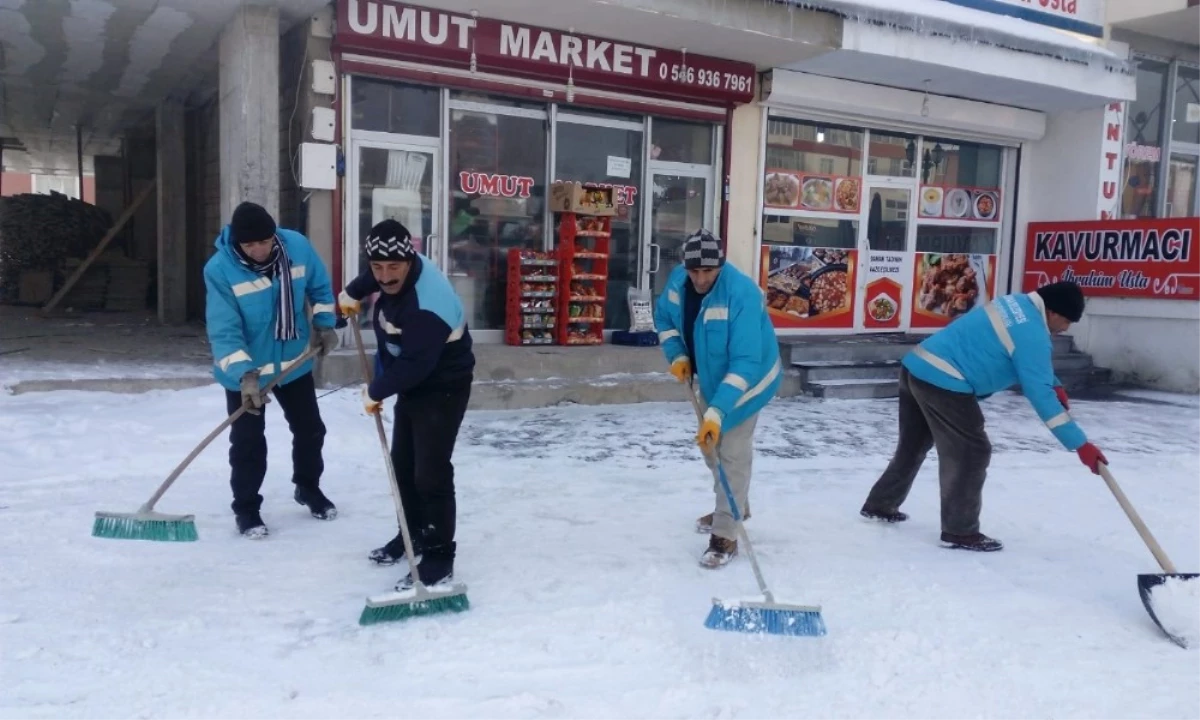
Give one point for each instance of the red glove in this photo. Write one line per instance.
(1091, 456)
(1061, 392)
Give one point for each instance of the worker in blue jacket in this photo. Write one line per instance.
(991, 348)
(425, 360)
(257, 286)
(713, 326)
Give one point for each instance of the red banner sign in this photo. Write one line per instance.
(410, 32)
(1117, 258)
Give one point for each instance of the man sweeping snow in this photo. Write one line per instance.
(425, 360)
(989, 349)
(257, 284)
(713, 325)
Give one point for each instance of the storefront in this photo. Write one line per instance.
(872, 227)
(456, 126)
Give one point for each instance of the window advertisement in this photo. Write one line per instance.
(1144, 141)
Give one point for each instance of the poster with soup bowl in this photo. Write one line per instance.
(809, 287)
(947, 286)
(813, 193)
(959, 203)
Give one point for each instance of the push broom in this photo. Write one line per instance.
(752, 616)
(145, 523)
(419, 600)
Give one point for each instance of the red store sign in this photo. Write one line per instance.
(420, 34)
(1145, 258)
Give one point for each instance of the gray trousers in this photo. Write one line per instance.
(953, 422)
(736, 451)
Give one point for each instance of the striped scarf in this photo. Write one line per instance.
(277, 265)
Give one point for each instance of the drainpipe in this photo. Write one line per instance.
(79, 156)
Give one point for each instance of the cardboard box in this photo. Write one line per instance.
(573, 197)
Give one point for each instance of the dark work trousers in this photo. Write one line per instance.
(931, 416)
(423, 438)
(248, 444)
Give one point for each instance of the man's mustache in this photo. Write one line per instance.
(390, 283)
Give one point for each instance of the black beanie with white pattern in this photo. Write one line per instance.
(389, 241)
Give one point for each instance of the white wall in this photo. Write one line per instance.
(745, 139)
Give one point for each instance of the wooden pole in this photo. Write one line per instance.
(87, 262)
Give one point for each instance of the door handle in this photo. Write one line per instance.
(655, 257)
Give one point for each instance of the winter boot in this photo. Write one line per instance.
(319, 505)
(251, 525)
(393, 552)
(704, 524)
(977, 542)
(720, 551)
(437, 567)
(887, 516)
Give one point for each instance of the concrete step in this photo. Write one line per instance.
(612, 390)
(1063, 343)
(133, 385)
(1072, 361)
(820, 370)
(861, 389)
(848, 352)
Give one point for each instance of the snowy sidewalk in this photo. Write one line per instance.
(576, 542)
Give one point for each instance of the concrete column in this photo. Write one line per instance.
(172, 212)
(249, 110)
(746, 139)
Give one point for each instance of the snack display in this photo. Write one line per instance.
(813, 282)
(532, 307)
(949, 285)
(583, 262)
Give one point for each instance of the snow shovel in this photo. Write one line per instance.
(1149, 582)
(145, 523)
(420, 600)
(752, 616)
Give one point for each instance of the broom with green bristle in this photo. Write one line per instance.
(145, 523)
(419, 600)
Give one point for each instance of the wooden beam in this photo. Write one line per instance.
(112, 233)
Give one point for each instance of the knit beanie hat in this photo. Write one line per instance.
(1064, 298)
(702, 250)
(251, 223)
(389, 241)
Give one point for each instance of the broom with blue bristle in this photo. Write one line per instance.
(145, 523)
(420, 599)
(753, 616)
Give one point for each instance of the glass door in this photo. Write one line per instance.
(680, 203)
(397, 181)
(885, 259)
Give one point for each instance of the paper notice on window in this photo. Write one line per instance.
(619, 166)
(1193, 112)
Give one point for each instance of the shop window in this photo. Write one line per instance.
(892, 155)
(809, 232)
(395, 184)
(800, 147)
(1186, 128)
(499, 100)
(950, 163)
(1143, 141)
(957, 240)
(611, 156)
(497, 197)
(394, 107)
(683, 142)
(1181, 186)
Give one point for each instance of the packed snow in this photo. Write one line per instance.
(577, 544)
(1176, 603)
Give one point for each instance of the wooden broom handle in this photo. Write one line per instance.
(1138, 525)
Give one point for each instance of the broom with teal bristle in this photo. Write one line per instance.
(753, 616)
(145, 523)
(420, 599)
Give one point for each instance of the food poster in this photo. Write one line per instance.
(814, 193)
(809, 287)
(883, 296)
(959, 203)
(947, 285)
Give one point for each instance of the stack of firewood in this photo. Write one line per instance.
(38, 233)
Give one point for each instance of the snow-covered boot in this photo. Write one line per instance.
(704, 523)
(319, 505)
(887, 516)
(720, 552)
(393, 551)
(251, 525)
(437, 566)
(977, 542)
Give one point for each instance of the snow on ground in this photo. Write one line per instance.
(576, 541)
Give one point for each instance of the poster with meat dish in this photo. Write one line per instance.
(884, 297)
(809, 287)
(948, 285)
(812, 193)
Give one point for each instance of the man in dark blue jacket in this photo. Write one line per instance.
(425, 360)
(991, 348)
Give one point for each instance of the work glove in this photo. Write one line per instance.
(1061, 392)
(371, 406)
(252, 395)
(348, 305)
(682, 369)
(710, 430)
(1091, 456)
(325, 340)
